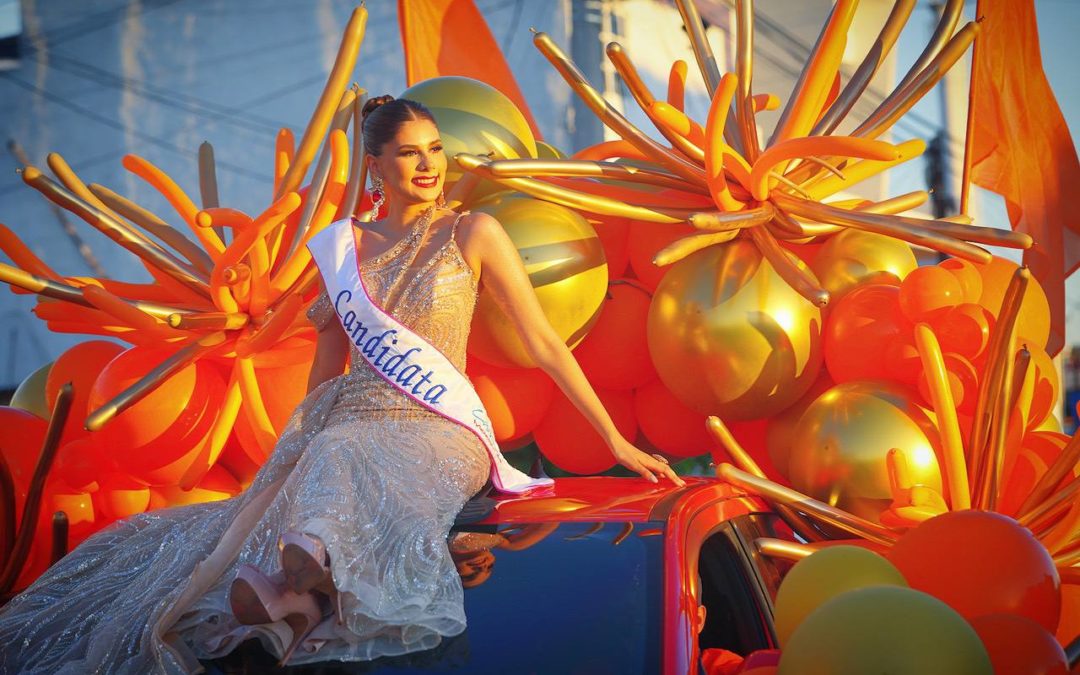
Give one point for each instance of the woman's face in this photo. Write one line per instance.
(412, 164)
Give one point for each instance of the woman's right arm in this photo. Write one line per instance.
(331, 347)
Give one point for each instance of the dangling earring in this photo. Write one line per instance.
(378, 195)
(440, 201)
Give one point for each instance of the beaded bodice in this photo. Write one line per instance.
(422, 281)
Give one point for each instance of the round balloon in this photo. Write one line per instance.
(565, 263)
(851, 257)
(1019, 646)
(668, 424)
(841, 442)
(963, 329)
(858, 329)
(615, 354)
(646, 240)
(884, 629)
(927, 290)
(569, 441)
(515, 399)
(979, 563)
(780, 434)
(23, 436)
(822, 576)
(968, 276)
(729, 337)
(614, 233)
(80, 365)
(476, 118)
(1033, 322)
(30, 394)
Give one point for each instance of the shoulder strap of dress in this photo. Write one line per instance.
(457, 221)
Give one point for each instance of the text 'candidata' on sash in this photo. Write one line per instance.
(383, 346)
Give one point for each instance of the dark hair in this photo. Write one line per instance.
(382, 116)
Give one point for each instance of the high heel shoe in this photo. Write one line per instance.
(306, 566)
(303, 558)
(256, 599)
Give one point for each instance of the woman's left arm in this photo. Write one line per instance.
(486, 247)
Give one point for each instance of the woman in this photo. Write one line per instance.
(338, 549)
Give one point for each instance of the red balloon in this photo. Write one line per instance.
(1069, 627)
(614, 233)
(902, 362)
(570, 442)
(20, 448)
(752, 435)
(81, 365)
(516, 399)
(979, 563)
(646, 240)
(615, 353)
(668, 424)
(864, 321)
(929, 289)
(1019, 646)
(81, 462)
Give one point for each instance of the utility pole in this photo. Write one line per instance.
(592, 26)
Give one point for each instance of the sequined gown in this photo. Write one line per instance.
(376, 477)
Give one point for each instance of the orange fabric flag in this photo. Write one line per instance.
(1021, 148)
(450, 37)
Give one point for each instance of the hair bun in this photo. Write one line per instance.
(373, 103)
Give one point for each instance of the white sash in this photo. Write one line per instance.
(402, 358)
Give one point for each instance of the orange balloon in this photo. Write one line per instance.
(1033, 322)
(1019, 646)
(615, 353)
(281, 389)
(668, 424)
(981, 563)
(901, 359)
(614, 233)
(81, 365)
(237, 462)
(967, 275)
(1027, 465)
(1045, 391)
(156, 439)
(928, 289)
(216, 485)
(963, 382)
(963, 329)
(120, 496)
(516, 399)
(570, 442)
(865, 320)
(646, 240)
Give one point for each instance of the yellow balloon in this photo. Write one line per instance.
(30, 394)
(850, 257)
(565, 262)
(729, 337)
(822, 576)
(839, 450)
(885, 629)
(477, 118)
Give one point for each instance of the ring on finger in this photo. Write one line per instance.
(659, 458)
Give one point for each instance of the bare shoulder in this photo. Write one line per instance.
(478, 232)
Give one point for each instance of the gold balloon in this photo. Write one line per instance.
(30, 394)
(729, 337)
(566, 266)
(474, 117)
(850, 257)
(548, 151)
(838, 454)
